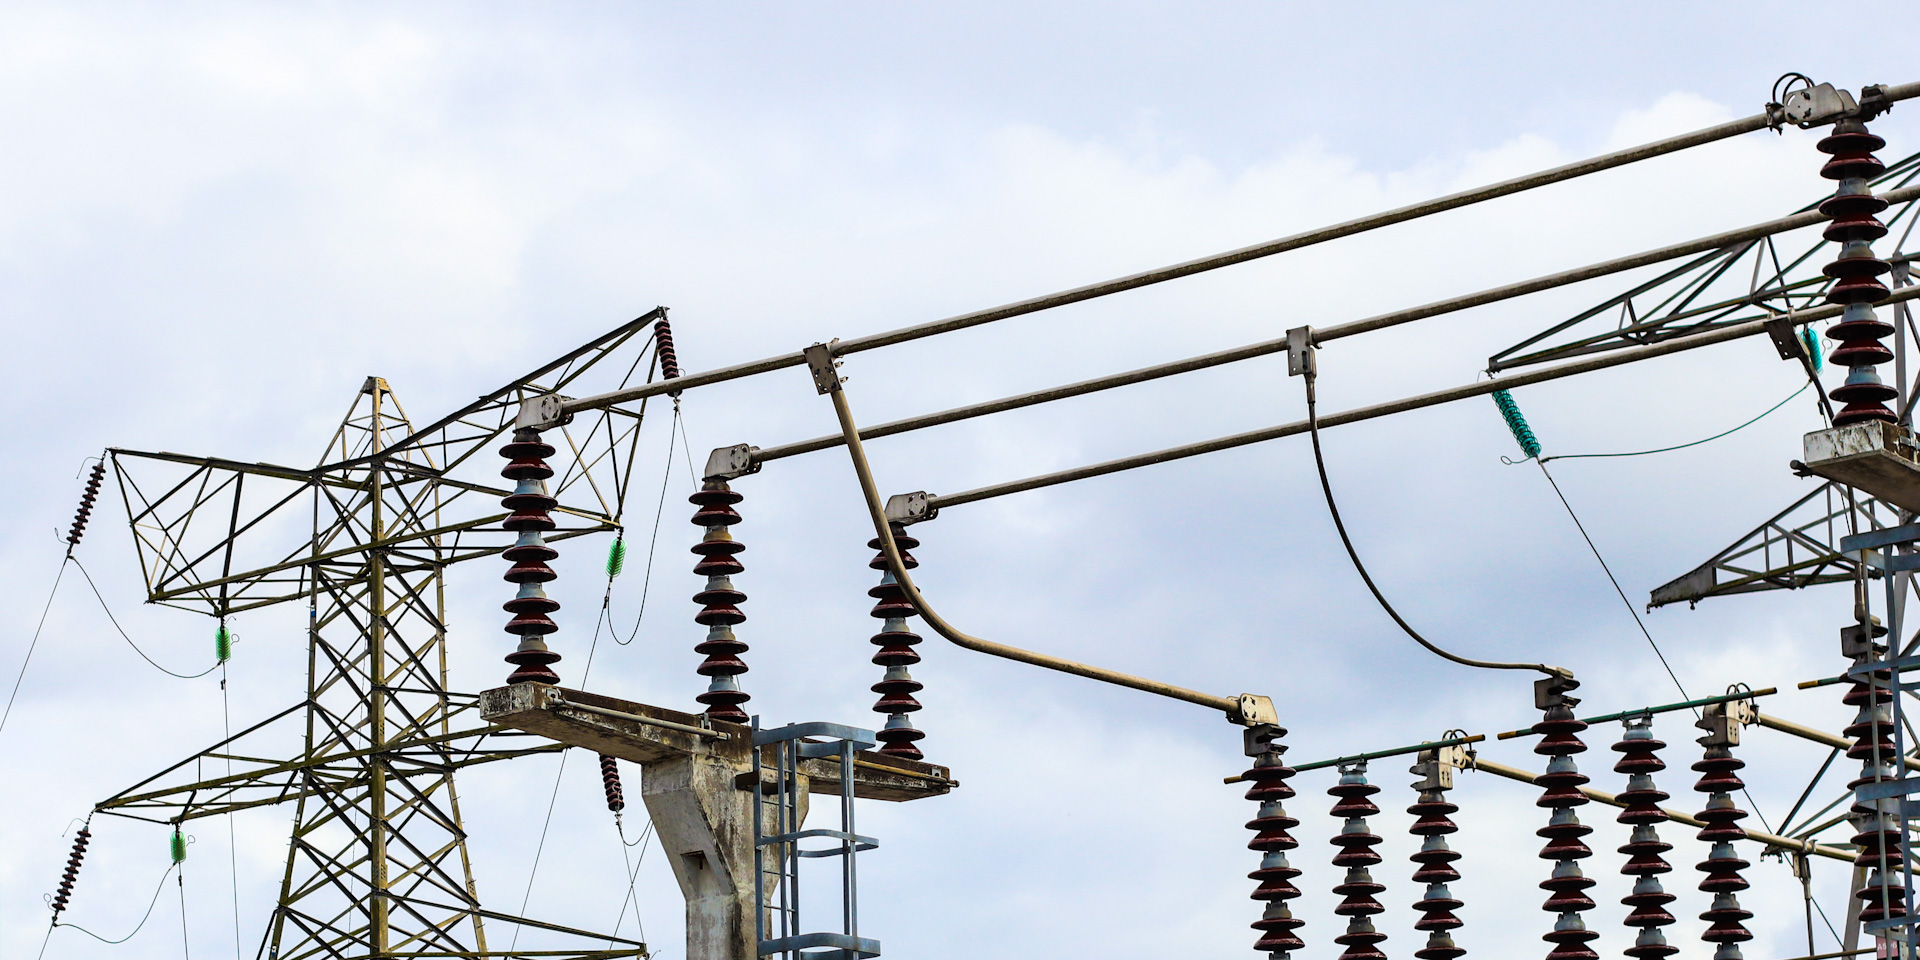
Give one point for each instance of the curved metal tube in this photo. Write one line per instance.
(1233, 707)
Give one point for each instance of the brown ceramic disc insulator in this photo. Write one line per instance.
(610, 781)
(1858, 165)
(1854, 226)
(1722, 867)
(529, 554)
(893, 604)
(1858, 289)
(1857, 267)
(896, 648)
(715, 500)
(663, 349)
(902, 540)
(1648, 899)
(1864, 353)
(717, 550)
(719, 604)
(74, 858)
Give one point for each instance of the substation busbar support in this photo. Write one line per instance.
(778, 795)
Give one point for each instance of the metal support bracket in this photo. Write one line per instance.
(1785, 339)
(1820, 103)
(825, 369)
(1300, 352)
(1251, 709)
(732, 463)
(543, 412)
(906, 508)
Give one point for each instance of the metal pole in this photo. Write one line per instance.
(1229, 258)
(1540, 375)
(1805, 732)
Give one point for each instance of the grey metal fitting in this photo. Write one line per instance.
(906, 508)
(825, 369)
(731, 463)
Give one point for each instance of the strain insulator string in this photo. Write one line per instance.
(74, 859)
(85, 510)
(663, 349)
(610, 780)
(720, 601)
(531, 518)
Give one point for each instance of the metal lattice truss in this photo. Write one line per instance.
(1746, 281)
(1797, 547)
(377, 863)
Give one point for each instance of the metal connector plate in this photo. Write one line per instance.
(730, 463)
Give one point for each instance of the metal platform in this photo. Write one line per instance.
(647, 734)
(1877, 457)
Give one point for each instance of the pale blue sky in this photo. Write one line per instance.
(220, 218)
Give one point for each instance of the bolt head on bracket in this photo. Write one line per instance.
(731, 463)
(542, 413)
(906, 508)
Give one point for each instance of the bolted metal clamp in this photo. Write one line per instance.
(1253, 710)
(1722, 721)
(730, 463)
(542, 413)
(825, 369)
(1785, 339)
(906, 508)
(1300, 352)
(1552, 692)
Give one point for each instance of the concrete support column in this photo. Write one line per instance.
(704, 823)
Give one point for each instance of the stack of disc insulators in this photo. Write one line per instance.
(531, 519)
(1277, 925)
(896, 643)
(1722, 866)
(1436, 870)
(1356, 841)
(720, 601)
(1567, 887)
(1638, 760)
(86, 503)
(1856, 274)
(80, 841)
(610, 780)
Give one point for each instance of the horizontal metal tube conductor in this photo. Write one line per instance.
(876, 510)
(1540, 375)
(1649, 711)
(1322, 335)
(649, 721)
(1377, 754)
(1257, 251)
(1759, 836)
(1805, 732)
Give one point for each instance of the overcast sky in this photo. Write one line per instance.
(219, 219)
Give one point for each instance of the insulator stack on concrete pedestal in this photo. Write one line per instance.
(1639, 761)
(1435, 858)
(531, 519)
(720, 601)
(1269, 775)
(1720, 782)
(1562, 780)
(896, 643)
(1356, 841)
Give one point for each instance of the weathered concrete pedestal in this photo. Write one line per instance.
(697, 783)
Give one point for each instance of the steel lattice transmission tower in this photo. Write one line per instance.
(377, 864)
